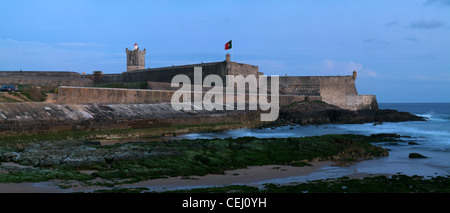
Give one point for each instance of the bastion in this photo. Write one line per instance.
(77, 105)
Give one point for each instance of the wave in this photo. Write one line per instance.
(435, 117)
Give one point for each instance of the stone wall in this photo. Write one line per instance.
(165, 74)
(336, 90)
(357, 102)
(110, 78)
(135, 59)
(296, 85)
(32, 118)
(41, 78)
(53, 74)
(92, 95)
(235, 68)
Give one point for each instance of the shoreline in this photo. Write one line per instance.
(250, 176)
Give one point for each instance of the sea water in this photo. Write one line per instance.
(432, 137)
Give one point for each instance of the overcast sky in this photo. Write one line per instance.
(400, 48)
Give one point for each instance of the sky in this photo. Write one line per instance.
(400, 48)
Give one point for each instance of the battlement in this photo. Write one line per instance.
(39, 78)
(165, 74)
(49, 74)
(336, 90)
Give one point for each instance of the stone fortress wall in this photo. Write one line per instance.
(40, 78)
(336, 90)
(90, 95)
(77, 106)
(38, 117)
(165, 74)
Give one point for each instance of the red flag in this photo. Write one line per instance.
(228, 45)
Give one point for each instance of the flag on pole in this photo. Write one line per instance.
(228, 45)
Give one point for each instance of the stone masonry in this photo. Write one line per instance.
(135, 59)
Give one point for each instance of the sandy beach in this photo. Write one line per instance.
(248, 176)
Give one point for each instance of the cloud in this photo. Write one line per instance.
(392, 23)
(376, 41)
(408, 38)
(330, 67)
(438, 2)
(329, 64)
(269, 67)
(79, 45)
(427, 24)
(34, 55)
(437, 77)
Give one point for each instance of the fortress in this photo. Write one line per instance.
(75, 88)
(79, 106)
(336, 90)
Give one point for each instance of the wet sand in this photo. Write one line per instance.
(253, 176)
(247, 176)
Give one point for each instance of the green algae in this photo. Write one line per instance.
(198, 157)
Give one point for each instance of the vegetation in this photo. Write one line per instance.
(27, 93)
(378, 184)
(97, 76)
(293, 104)
(184, 157)
(136, 85)
(34, 93)
(119, 134)
(12, 97)
(37, 175)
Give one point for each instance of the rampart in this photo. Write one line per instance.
(33, 118)
(40, 78)
(91, 95)
(165, 74)
(336, 90)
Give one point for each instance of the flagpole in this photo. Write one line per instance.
(232, 53)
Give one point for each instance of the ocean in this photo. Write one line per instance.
(432, 138)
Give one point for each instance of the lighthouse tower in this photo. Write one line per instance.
(135, 59)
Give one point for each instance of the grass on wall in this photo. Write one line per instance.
(136, 85)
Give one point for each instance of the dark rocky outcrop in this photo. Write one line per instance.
(316, 112)
(76, 153)
(416, 155)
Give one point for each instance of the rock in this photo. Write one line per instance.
(392, 143)
(83, 160)
(75, 153)
(385, 135)
(10, 156)
(314, 113)
(416, 155)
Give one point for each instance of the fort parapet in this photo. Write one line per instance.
(34, 118)
(165, 74)
(336, 90)
(91, 95)
(40, 78)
